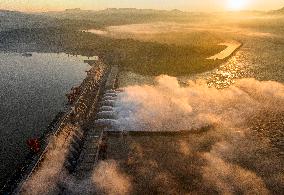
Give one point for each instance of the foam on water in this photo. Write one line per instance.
(236, 154)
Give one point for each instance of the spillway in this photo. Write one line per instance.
(75, 143)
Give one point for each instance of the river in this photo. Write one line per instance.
(237, 132)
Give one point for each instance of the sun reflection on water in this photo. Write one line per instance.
(225, 75)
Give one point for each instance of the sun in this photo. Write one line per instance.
(236, 5)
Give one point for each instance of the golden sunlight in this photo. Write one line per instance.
(236, 4)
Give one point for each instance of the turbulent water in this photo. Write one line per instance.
(235, 114)
(32, 92)
(253, 71)
(235, 146)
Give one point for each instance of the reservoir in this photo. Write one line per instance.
(32, 92)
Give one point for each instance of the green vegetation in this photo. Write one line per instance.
(167, 51)
(151, 58)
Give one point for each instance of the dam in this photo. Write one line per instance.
(73, 131)
(89, 152)
(85, 136)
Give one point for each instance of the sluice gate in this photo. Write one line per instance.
(74, 126)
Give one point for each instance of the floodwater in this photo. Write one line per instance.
(32, 92)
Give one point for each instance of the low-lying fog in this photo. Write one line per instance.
(248, 24)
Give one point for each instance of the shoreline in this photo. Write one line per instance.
(95, 78)
(33, 89)
(232, 47)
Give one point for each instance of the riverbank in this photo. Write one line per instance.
(232, 46)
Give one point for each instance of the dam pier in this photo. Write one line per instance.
(73, 146)
(88, 135)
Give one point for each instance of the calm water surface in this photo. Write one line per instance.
(32, 92)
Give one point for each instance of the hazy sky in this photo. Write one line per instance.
(186, 5)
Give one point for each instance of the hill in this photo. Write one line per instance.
(17, 20)
(10, 20)
(279, 11)
(115, 16)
